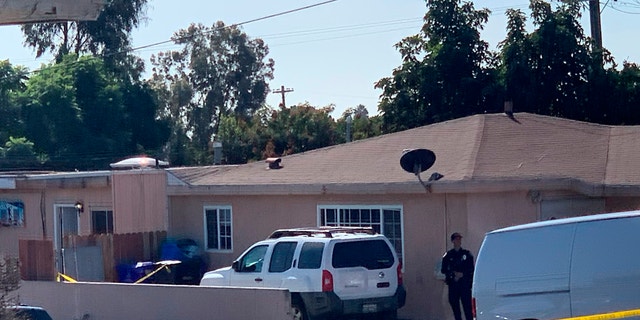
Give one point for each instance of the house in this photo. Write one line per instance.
(496, 171)
(43, 214)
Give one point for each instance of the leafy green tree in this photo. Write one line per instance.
(238, 138)
(362, 126)
(84, 116)
(109, 34)
(515, 72)
(220, 71)
(12, 81)
(299, 128)
(19, 154)
(443, 73)
(554, 71)
(617, 96)
(559, 61)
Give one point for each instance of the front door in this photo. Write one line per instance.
(66, 223)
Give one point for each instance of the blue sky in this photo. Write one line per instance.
(332, 53)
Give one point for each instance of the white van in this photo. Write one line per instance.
(559, 268)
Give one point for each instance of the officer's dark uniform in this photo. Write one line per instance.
(459, 291)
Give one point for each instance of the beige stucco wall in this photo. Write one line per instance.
(113, 301)
(618, 204)
(35, 201)
(140, 202)
(428, 219)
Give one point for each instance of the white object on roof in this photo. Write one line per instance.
(139, 162)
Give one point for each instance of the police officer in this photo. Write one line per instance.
(457, 266)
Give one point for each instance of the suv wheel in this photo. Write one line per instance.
(297, 310)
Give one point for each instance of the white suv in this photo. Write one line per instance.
(330, 272)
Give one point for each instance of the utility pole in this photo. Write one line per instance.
(282, 91)
(596, 25)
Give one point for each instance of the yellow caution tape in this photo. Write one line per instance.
(152, 273)
(607, 316)
(65, 277)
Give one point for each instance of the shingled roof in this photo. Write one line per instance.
(489, 152)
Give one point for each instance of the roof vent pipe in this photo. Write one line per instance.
(508, 107)
(217, 152)
(274, 163)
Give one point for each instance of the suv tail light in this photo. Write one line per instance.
(400, 275)
(327, 281)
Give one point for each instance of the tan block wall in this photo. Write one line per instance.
(107, 301)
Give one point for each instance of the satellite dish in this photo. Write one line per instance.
(417, 160)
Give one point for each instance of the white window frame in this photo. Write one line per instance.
(218, 224)
(382, 208)
(102, 209)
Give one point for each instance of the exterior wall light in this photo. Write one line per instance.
(79, 206)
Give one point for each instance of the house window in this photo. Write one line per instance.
(385, 220)
(218, 234)
(11, 213)
(102, 221)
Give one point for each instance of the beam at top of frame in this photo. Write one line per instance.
(34, 11)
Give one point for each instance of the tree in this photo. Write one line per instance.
(84, 116)
(299, 128)
(18, 153)
(220, 71)
(362, 126)
(559, 61)
(617, 96)
(443, 73)
(109, 34)
(554, 71)
(239, 140)
(12, 81)
(515, 72)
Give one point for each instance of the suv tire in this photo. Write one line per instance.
(298, 310)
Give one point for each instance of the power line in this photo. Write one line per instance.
(242, 23)
(228, 26)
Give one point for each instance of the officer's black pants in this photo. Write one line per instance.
(460, 293)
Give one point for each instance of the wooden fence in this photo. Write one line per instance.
(37, 260)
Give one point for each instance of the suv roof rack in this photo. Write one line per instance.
(326, 232)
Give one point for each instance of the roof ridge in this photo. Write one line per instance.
(477, 145)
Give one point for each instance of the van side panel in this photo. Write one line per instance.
(606, 266)
(524, 274)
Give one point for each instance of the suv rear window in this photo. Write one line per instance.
(371, 254)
